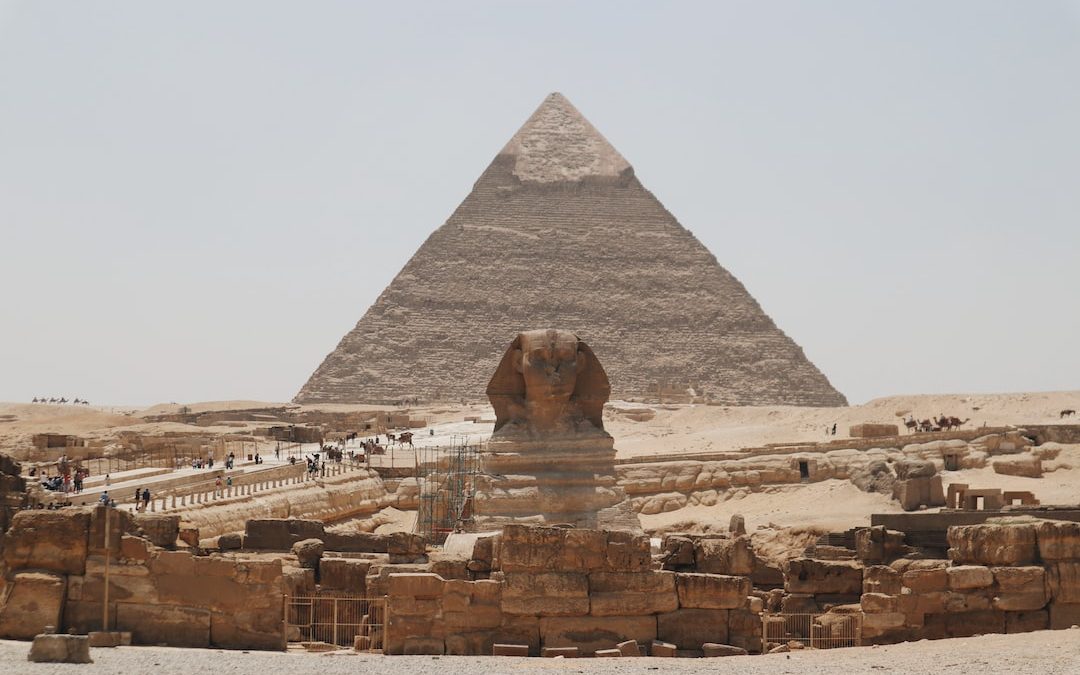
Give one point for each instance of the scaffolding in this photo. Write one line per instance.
(447, 480)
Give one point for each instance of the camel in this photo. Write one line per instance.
(1067, 413)
(926, 426)
(35, 400)
(390, 439)
(52, 400)
(62, 400)
(956, 422)
(911, 424)
(85, 402)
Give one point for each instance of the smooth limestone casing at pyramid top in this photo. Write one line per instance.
(559, 232)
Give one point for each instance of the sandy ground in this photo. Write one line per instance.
(1042, 653)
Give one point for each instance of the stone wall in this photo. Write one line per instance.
(555, 587)
(54, 575)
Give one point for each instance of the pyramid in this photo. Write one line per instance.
(559, 233)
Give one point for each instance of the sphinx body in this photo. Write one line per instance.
(549, 459)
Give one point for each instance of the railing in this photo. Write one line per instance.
(343, 620)
(813, 631)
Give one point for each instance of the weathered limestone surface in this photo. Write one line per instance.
(55, 541)
(993, 544)
(558, 231)
(55, 648)
(34, 600)
(550, 460)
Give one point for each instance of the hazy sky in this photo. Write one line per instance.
(198, 199)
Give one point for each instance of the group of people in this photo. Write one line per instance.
(142, 499)
(66, 480)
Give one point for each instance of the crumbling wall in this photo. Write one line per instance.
(54, 575)
(554, 587)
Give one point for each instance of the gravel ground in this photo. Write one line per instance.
(1041, 653)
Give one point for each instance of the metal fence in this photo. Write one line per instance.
(814, 631)
(342, 620)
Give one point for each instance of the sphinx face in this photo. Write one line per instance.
(549, 365)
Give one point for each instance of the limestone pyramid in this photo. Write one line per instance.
(559, 233)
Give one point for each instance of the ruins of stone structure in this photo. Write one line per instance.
(549, 459)
(559, 231)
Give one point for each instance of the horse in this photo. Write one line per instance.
(1066, 413)
(405, 437)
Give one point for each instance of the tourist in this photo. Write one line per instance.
(104, 498)
(277, 451)
(146, 498)
(138, 497)
(228, 481)
(106, 480)
(217, 486)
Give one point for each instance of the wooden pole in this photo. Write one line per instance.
(105, 603)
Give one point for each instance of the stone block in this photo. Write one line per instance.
(104, 639)
(161, 530)
(975, 600)
(1026, 622)
(744, 630)
(589, 633)
(546, 594)
(1020, 588)
(417, 646)
(53, 648)
(1027, 466)
(967, 624)
(878, 603)
(964, 577)
(877, 544)
(630, 593)
(51, 541)
(164, 624)
(881, 579)
(343, 574)
(629, 648)
(876, 625)
(247, 629)
(627, 552)
(1058, 540)
(608, 653)
(724, 556)
(520, 630)
(713, 649)
(926, 580)
(565, 652)
(691, 628)
(416, 585)
(231, 541)
(33, 601)
(470, 643)
(662, 649)
(279, 534)
(406, 547)
(805, 575)
(993, 544)
(799, 603)
(1063, 579)
(501, 649)
(308, 552)
(135, 549)
(713, 591)
(1064, 615)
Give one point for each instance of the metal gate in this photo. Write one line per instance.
(346, 621)
(813, 631)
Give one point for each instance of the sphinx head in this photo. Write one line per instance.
(549, 380)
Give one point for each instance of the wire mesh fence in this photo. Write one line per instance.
(346, 621)
(813, 631)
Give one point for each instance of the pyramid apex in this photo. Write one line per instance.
(558, 144)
